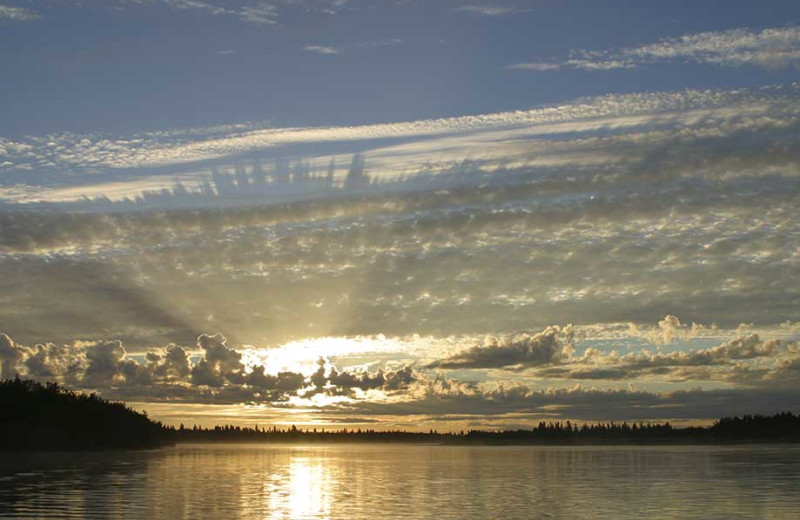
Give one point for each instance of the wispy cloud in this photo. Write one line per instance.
(18, 14)
(255, 12)
(658, 116)
(319, 6)
(537, 66)
(322, 49)
(379, 43)
(485, 10)
(339, 49)
(261, 13)
(773, 47)
(197, 4)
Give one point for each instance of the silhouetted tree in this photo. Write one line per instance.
(36, 416)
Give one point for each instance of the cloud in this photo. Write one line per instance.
(103, 360)
(213, 7)
(540, 67)
(10, 355)
(519, 352)
(760, 375)
(320, 49)
(519, 402)
(320, 6)
(18, 14)
(258, 12)
(380, 43)
(196, 4)
(326, 49)
(745, 360)
(667, 330)
(485, 259)
(261, 13)
(334, 382)
(170, 364)
(485, 10)
(770, 48)
(250, 11)
(219, 365)
(611, 129)
(614, 209)
(219, 375)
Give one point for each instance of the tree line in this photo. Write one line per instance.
(35, 416)
(49, 416)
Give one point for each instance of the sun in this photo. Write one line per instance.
(303, 355)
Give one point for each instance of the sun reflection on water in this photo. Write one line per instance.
(356, 482)
(309, 489)
(302, 489)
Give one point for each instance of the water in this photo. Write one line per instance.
(400, 481)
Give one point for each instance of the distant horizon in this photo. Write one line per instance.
(32, 410)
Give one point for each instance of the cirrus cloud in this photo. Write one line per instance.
(771, 48)
(18, 14)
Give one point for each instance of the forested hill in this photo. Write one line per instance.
(50, 417)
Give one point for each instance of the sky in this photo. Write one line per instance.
(403, 214)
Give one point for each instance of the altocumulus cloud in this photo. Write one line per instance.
(618, 214)
(473, 260)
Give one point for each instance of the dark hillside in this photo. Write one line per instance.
(49, 417)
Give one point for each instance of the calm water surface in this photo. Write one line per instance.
(398, 481)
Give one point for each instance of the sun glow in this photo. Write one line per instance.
(303, 355)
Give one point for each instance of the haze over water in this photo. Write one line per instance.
(399, 481)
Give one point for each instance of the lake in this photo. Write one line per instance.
(405, 481)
